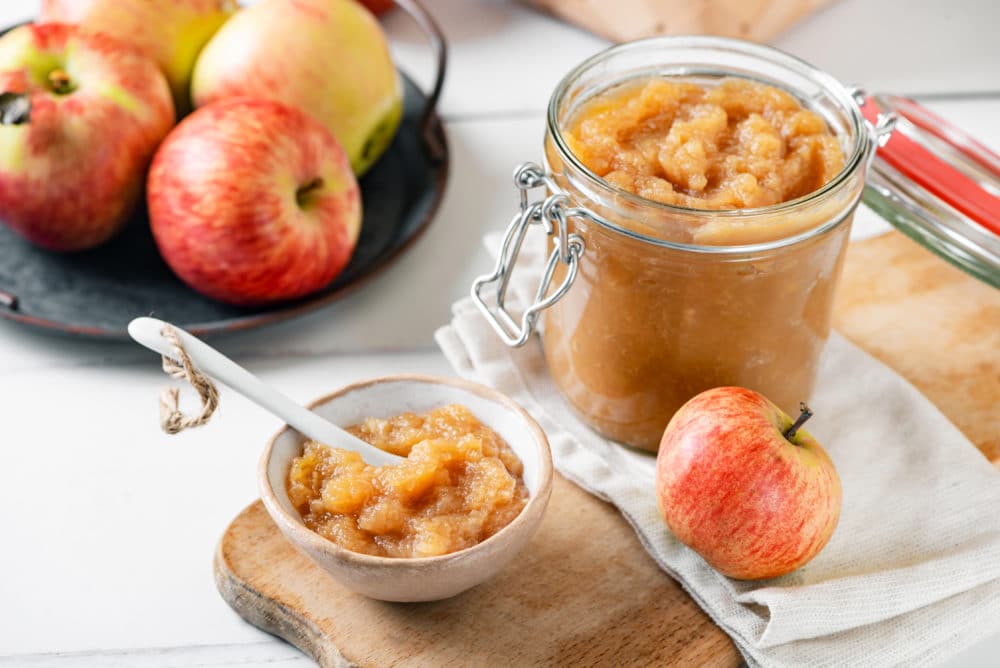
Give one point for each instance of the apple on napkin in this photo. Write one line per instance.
(744, 486)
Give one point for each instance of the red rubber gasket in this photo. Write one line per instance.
(935, 174)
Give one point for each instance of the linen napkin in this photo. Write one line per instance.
(912, 573)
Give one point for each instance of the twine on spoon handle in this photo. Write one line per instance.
(172, 420)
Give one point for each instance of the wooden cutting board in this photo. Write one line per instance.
(585, 593)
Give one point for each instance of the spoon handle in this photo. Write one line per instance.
(211, 362)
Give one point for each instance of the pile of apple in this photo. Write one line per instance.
(253, 197)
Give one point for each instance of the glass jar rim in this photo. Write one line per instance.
(829, 84)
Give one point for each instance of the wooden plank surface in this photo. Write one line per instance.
(625, 20)
(585, 593)
(936, 326)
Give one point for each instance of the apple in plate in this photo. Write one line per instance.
(326, 57)
(171, 32)
(378, 6)
(744, 486)
(252, 201)
(81, 115)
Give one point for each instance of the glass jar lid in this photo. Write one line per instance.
(937, 185)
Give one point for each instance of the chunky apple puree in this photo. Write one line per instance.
(459, 484)
(656, 314)
(737, 145)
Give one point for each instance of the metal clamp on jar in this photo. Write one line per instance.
(640, 316)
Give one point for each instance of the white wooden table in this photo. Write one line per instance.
(108, 526)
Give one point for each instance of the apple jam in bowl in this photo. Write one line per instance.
(459, 484)
(466, 499)
(698, 196)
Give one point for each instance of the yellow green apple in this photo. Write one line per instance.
(171, 32)
(326, 57)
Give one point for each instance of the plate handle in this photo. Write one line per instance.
(429, 123)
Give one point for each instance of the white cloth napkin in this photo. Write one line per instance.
(912, 573)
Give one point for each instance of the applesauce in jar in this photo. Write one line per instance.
(698, 199)
(738, 144)
(459, 484)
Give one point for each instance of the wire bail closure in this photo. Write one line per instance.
(880, 131)
(553, 213)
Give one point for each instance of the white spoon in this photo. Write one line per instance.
(211, 362)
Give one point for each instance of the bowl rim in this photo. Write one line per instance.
(299, 533)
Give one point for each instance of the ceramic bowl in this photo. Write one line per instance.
(421, 578)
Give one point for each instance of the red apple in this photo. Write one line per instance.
(171, 32)
(81, 115)
(754, 494)
(253, 201)
(378, 6)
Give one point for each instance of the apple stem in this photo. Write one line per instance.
(60, 82)
(804, 416)
(15, 108)
(302, 194)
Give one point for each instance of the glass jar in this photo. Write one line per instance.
(647, 304)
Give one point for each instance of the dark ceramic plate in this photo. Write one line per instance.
(96, 293)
